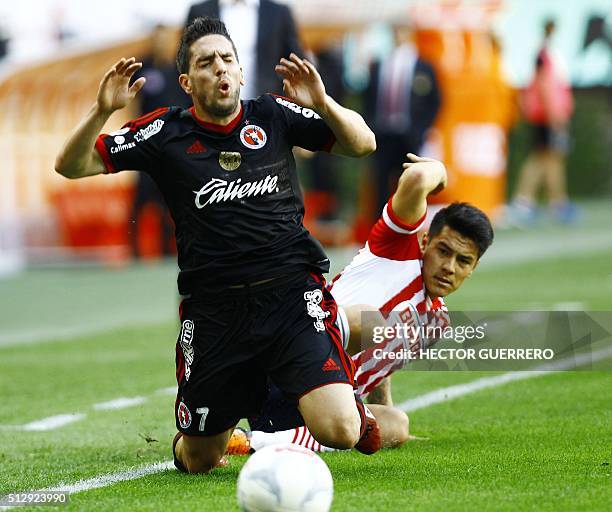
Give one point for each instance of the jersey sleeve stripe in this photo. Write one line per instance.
(103, 152)
(147, 118)
(396, 224)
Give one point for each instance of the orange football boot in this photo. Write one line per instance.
(239, 443)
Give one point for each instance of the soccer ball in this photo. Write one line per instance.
(285, 477)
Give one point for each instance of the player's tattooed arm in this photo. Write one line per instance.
(382, 393)
(302, 83)
(78, 158)
(421, 177)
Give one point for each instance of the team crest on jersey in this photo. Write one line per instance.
(313, 308)
(184, 415)
(230, 160)
(253, 137)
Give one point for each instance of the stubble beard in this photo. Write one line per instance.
(216, 109)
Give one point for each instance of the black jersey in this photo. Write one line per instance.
(232, 190)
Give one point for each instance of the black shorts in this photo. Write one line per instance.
(231, 343)
(545, 137)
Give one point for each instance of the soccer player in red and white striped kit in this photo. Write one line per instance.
(400, 276)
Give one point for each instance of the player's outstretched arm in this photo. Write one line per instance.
(302, 83)
(78, 157)
(421, 177)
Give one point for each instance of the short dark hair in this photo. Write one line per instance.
(468, 221)
(198, 28)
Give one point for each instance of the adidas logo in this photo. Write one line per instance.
(330, 366)
(196, 147)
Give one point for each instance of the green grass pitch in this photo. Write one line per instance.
(540, 444)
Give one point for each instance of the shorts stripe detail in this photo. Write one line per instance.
(180, 364)
(335, 335)
(329, 304)
(347, 363)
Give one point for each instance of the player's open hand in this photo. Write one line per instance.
(302, 82)
(115, 91)
(431, 167)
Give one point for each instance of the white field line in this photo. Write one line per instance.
(92, 327)
(61, 420)
(170, 390)
(50, 423)
(119, 403)
(569, 306)
(452, 392)
(427, 400)
(105, 480)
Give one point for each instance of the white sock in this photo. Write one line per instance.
(300, 436)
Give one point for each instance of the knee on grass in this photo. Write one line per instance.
(398, 431)
(199, 462)
(393, 423)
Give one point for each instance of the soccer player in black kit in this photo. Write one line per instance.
(255, 306)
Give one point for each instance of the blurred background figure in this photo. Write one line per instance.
(152, 229)
(547, 106)
(263, 32)
(3, 43)
(401, 104)
(159, 68)
(322, 169)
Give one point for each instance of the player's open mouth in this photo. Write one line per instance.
(224, 88)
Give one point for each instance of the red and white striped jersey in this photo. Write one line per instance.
(387, 275)
(387, 271)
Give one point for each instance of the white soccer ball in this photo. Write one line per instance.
(287, 478)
